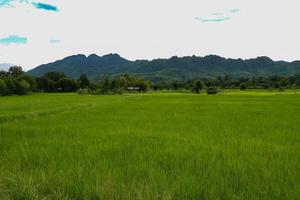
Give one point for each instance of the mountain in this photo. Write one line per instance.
(174, 68)
(93, 65)
(5, 66)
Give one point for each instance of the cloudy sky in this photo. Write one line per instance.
(33, 32)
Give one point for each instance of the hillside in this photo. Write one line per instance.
(175, 68)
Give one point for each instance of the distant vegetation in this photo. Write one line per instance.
(172, 69)
(16, 81)
(228, 82)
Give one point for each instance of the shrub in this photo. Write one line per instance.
(197, 86)
(99, 92)
(243, 86)
(84, 91)
(31, 80)
(143, 85)
(67, 85)
(11, 86)
(212, 90)
(23, 87)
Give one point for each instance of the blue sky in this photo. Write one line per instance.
(33, 32)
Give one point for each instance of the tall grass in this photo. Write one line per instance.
(155, 146)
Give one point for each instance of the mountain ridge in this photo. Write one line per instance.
(174, 68)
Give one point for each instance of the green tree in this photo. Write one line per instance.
(212, 90)
(83, 81)
(15, 71)
(106, 85)
(143, 85)
(3, 88)
(67, 85)
(55, 76)
(22, 87)
(30, 79)
(284, 82)
(175, 85)
(46, 85)
(198, 86)
(113, 85)
(11, 86)
(243, 86)
(4, 74)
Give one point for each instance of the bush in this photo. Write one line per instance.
(212, 90)
(45, 85)
(99, 92)
(23, 87)
(11, 86)
(280, 89)
(243, 86)
(84, 91)
(67, 85)
(143, 85)
(31, 80)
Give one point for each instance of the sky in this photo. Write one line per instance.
(35, 32)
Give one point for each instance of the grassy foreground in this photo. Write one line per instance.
(152, 146)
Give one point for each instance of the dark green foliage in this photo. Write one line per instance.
(30, 80)
(3, 88)
(120, 84)
(226, 82)
(15, 71)
(67, 85)
(46, 85)
(280, 89)
(55, 76)
(84, 91)
(22, 87)
(105, 85)
(16, 82)
(56, 82)
(4, 74)
(11, 86)
(83, 81)
(59, 82)
(143, 85)
(198, 86)
(243, 86)
(212, 90)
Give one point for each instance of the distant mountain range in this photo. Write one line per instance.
(5, 66)
(174, 68)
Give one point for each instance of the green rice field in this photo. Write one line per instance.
(233, 145)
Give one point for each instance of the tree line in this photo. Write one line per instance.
(227, 82)
(16, 82)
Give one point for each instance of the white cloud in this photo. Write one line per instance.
(143, 29)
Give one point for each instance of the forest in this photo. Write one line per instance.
(17, 82)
